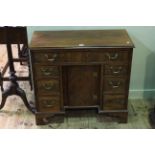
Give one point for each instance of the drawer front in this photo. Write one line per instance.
(69, 57)
(95, 56)
(114, 102)
(46, 71)
(117, 57)
(75, 57)
(115, 85)
(46, 57)
(116, 70)
(108, 55)
(48, 87)
(49, 104)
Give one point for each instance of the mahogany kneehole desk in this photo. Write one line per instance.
(81, 69)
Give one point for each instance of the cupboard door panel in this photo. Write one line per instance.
(83, 84)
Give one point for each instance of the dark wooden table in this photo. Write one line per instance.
(9, 36)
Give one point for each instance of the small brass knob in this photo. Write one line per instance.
(95, 97)
(95, 74)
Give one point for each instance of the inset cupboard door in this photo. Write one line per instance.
(82, 85)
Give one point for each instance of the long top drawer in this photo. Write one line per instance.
(100, 55)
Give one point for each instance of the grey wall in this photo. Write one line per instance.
(143, 67)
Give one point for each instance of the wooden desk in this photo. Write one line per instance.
(81, 70)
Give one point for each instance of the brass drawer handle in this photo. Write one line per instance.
(49, 71)
(115, 84)
(51, 59)
(48, 104)
(113, 56)
(49, 87)
(116, 71)
(46, 72)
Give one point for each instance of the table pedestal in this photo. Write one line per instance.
(13, 88)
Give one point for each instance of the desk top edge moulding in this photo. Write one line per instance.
(81, 38)
(82, 69)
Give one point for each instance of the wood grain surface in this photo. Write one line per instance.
(82, 38)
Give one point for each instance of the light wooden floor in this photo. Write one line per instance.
(15, 116)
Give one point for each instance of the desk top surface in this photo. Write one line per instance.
(81, 38)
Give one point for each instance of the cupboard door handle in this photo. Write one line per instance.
(114, 84)
(51, 59)
(112, 57)
(95, 97)
(95, 74)
(116, 71)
